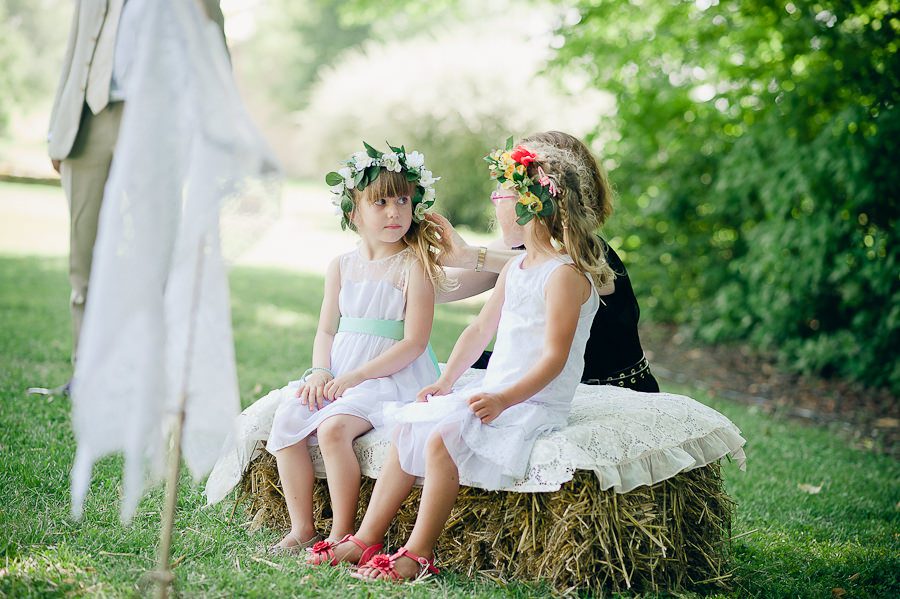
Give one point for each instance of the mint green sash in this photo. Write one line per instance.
(392, 329)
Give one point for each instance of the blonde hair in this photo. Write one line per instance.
(421, 237)
(583, 204)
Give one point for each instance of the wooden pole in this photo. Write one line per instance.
(164, 575)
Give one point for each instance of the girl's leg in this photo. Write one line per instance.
(438, 497)
(336, 435)
(391, 489)
(296, 472)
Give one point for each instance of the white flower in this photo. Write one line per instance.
(338, 189)
(361, 160)
(347, 174)
(428, 196)
(419, 212)
(391, 162)
(426, 179)
(415, 159)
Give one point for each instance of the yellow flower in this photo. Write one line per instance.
(520, 169)
(528, 198)
(508, 184)
(509, 171)
(536, 206)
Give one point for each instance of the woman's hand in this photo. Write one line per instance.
(455, 252)
(312, 391)
(487, 406)
(336, 387)
(439, 387)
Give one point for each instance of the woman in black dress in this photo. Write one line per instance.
(613, 355)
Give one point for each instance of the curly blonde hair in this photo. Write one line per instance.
(584, 201)
(422, 237)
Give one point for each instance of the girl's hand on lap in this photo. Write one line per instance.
(487, 406)
(439, 387)
(336, 387)
(312, 392)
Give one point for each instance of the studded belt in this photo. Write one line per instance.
(626, 375)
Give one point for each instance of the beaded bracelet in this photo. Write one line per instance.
(309, 371)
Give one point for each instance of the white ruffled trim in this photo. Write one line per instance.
(657, 466)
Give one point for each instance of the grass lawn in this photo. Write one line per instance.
(789, 542)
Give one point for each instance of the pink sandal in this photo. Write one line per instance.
(323, 551)
(384, 564)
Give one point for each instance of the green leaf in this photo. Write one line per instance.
(372, 152)
(548, 207)
(395, 149)
(509, 143)
(411, 176)
(347, 204)
(333, 178)
(358, 177)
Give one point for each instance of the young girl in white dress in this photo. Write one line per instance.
(371, 345)
(541, 311)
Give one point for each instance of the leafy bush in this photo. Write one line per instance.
(755, 148)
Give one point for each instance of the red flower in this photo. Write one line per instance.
(522, 156)
(381, 561)
(321, 546)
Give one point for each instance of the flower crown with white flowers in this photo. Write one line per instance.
(362, 168)
(509, 167)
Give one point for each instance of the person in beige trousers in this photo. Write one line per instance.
(84, 124)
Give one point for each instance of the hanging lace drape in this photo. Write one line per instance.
(185, 146)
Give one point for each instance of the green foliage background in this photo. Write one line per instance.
(755, 151)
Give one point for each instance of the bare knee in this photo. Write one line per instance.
(334, 432)
(435, 449)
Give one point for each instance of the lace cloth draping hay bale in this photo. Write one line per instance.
(671, 535)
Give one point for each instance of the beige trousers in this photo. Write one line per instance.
(84, 173)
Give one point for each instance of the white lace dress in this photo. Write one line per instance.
(495, 455)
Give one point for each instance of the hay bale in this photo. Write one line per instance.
(669, 536)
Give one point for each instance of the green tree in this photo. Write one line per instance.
(754, 149)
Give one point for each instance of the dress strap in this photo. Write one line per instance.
(391, 329)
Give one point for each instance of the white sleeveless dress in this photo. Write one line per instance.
(493, 456)
(370, 289)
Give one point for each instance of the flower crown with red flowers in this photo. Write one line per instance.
(509, 167)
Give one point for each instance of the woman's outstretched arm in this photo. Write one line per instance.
(460, 259)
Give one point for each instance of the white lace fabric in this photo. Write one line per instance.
(158, 319)
(625, 437)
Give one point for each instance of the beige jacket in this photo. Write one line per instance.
(87, 23)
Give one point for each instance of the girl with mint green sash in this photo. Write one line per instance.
(371, 348)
